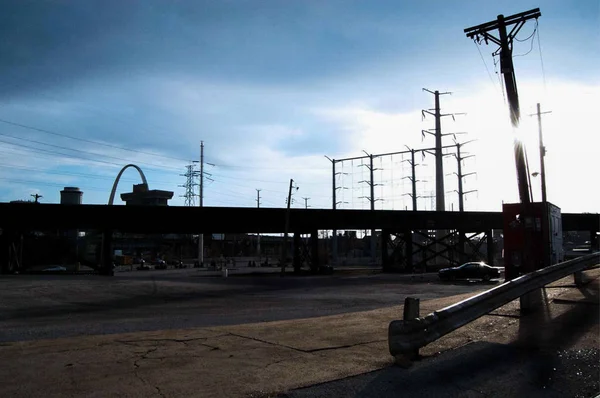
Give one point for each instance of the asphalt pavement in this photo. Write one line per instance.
(552, 352)
(479, 369)
(54, 306)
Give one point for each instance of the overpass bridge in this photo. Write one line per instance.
(404, 235)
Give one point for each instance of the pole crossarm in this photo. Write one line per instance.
(517, 19)
(378, 155)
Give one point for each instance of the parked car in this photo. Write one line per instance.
(160, 264)
(470, 271)
(54, 269)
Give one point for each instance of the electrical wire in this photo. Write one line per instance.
(81, 151)
(95, 142)
(541, 60)
(85, 140)
(72, 174)
(486, 66)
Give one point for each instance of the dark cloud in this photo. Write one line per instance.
(44, 44)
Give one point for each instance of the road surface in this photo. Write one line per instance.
(52, 306)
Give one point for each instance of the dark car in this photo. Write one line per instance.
(470, 271)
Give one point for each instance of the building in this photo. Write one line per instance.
(142, 196)
(71, 196)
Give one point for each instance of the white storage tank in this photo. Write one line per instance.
(70, 196)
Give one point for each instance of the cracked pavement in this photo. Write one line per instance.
(344, 351)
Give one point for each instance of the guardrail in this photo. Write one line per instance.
(407, 336)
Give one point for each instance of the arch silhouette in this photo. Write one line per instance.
(114, 188)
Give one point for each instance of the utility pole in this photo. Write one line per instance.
(460, 175)
(306, 206)
(334, 242)
(505, 41)
(201, 197)
(287, 227)
(258, 235)
(372, 199)
(413, 178)
(37, 197)
(542, 152)
(440, 194)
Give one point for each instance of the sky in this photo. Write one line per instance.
(273, 87)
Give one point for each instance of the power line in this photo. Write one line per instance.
(73, 174)
(85, 140)
(76, 150)
(74, 156)
(45, 131)
(32, 182)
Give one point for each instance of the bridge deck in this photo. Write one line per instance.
(172, 219)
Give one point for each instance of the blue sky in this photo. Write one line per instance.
(273, 86)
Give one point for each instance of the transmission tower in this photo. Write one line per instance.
(189, 185)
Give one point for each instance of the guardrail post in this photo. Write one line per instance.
(578, 278)
(411, 313)
(530, 302)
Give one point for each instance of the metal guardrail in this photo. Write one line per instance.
(406, 336)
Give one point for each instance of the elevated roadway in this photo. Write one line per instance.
(172, 219)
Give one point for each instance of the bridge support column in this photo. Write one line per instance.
(594, 240)
(490, 247)
(314, 248)
(334, 248)
(408, 242)
(106, 261)
(461, 246)
(385, 258)
(297, 260)
(5, 252)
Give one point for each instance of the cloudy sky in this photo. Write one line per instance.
(271, 87)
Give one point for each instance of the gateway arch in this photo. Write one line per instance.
(114, 188)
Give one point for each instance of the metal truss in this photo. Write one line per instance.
(306, 252)
(412, 251)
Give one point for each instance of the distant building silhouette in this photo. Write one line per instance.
(142, 196)
(71, 196)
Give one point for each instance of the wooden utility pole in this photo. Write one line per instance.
(334, 241)
(371, 198)
(37, 197)
(258, 235)
(539, 114)
(287, 227)
(201, 200)
(505, 41)
(460, 175)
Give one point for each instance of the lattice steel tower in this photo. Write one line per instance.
(189, 185)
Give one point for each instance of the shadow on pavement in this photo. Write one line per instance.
(540, 363)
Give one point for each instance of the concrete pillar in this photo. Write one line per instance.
(4, 252)
(490, 247)
(409, 250)
(106, 265)
(297, 252)
(314, 246)
(594, 240)
(461, 246)
(385, 258)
